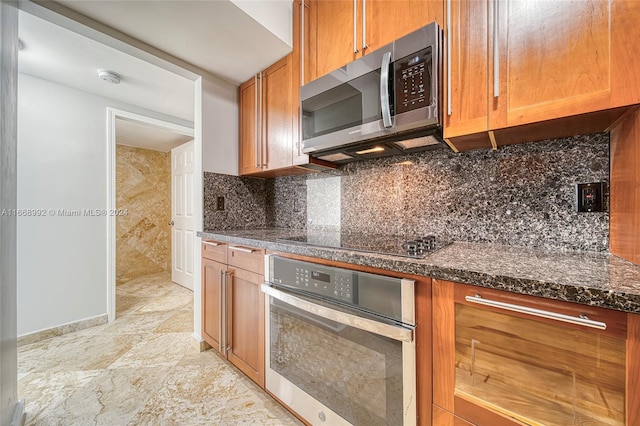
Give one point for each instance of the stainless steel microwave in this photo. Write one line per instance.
(385, 103)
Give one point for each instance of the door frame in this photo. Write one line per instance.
(112, 115)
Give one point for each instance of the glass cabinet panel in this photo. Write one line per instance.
(536, 372)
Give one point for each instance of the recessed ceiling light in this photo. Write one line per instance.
(109, 76)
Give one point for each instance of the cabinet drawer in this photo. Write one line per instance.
(214, 250)
(247, 258)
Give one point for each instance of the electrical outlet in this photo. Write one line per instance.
(220, 203)
(590, 197)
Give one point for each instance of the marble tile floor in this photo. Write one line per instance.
(140, 369)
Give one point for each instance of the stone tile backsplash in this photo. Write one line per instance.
(520, 195)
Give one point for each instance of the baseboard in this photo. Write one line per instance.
(19, 416)
(199, 344)
(37, 336)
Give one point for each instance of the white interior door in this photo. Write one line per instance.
(182, 204)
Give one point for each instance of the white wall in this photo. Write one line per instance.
(62, 164)
(219, 126)
(274, 15)
(8, 82)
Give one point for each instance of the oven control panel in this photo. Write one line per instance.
(338, 285)
(335, 283)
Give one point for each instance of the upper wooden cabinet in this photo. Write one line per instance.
(341, 31)
(266, 119)
(466, 110)
(531, 62)
(250, 132)
(270, 141)
(277, 110)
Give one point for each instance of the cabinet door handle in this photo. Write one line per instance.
(496, 49)
(212, 243)
(256, 123)
(364, 25)
(242, 249)
(449, 109)
(580, 320)
(222, 319)
(228, 286)
(355, 24)
(302, 6)
(261, 144)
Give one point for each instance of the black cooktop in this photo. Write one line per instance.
(397, 245)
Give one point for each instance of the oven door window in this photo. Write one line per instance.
(350, 104)
(355, 373)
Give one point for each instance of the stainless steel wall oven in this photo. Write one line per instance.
(340, 345)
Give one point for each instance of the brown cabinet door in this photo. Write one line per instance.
(248, 97)
(335, 35)
(506, 359)
(466, 111)
(388, 20)
(212, 281)
(277, 115)
(246, 323)
(555, 60)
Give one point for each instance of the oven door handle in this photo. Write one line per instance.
(400, 333)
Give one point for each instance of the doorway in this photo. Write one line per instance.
(142, 178)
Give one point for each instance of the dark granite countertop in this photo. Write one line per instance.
(590, 278)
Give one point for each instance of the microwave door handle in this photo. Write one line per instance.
(384, 90)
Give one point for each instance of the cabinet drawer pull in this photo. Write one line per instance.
(211, 243)
(580, 320)
(242, 249)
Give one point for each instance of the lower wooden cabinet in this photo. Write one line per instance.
(506, 359)
(212, 282)
(233, 307)
(245, 341)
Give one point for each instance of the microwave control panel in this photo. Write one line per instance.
(413, 81)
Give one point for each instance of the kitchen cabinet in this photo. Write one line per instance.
(341, 31)
(266, 119)
(270, 141)
(250, 130)
(233, 305)
(518, 63)
(508, 359)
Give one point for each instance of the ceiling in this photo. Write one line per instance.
(214, 35)
(61, 56)
(141, 135)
